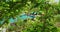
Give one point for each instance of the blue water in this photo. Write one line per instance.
(11, 20)
(23, 17)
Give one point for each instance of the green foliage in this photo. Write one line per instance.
(42, 23)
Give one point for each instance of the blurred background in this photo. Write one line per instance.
(29, 15)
